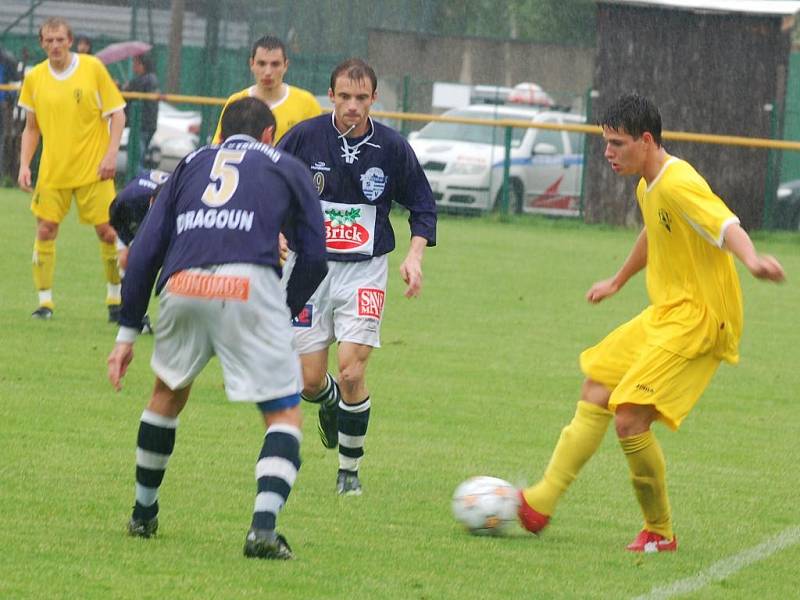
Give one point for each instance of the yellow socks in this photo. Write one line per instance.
(578, 442)
(44, 266)
(648, 473)
(108, 253)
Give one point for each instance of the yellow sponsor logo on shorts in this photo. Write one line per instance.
(198, 285)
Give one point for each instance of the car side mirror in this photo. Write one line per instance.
(545, 149)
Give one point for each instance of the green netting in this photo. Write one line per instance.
(790, 164)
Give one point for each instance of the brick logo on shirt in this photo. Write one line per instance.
(342, 230)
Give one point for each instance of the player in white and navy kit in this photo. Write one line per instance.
(212, 232)
(129, 207)
(359, 168)
(126, 213)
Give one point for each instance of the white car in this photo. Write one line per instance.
(464, 162)
(175, 137)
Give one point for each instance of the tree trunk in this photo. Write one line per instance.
(175, 46)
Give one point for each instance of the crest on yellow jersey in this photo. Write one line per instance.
(665, 219)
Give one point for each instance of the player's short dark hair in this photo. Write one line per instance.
(146, 61)
(84, 38)
(635, 115)
(249, 116)
(268, 42)
(354, 69)
(55, 23)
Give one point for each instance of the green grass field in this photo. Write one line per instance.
(475, 377)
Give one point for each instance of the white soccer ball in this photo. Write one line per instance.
(485, 505)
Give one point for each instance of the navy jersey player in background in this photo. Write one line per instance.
(129, 207)
(126, 213)
(213, 234)
(359, 168)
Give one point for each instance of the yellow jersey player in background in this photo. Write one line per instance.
(289, 104)
(656, 366)
(72, 104)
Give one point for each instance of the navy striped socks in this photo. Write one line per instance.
(353, 422)
(276, 472)
(155, 443)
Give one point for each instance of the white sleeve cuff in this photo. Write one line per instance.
(728, 222)
(113, 110)
(127, 335)
(120, 244)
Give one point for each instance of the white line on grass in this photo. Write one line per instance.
(726, 567)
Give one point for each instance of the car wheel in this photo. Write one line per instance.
(152, 159)
(516, 196)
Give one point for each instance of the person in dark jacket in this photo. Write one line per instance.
(145, 81)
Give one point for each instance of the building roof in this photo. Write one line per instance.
(114, 22)
(778, 8)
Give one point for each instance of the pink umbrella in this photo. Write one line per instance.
(122, 50)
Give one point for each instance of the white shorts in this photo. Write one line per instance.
(347, 306)
(237, 312)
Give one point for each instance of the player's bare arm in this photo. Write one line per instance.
(411, 269)
(283, 248)
(636, 261)
(122, 257)
(30, 140)
(762, 266)
(108, 166)
(118, 361)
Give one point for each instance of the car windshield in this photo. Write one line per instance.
(476, 134)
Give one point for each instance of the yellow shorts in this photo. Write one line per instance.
(93, 200)
(638, 372)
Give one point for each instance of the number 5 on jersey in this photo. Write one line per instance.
(224, 177)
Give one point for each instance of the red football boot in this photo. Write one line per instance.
(530, 519)
(648, 541)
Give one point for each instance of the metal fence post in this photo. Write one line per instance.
(406, 103)
(590, 93)
(506, 169)
(769, 193)
(134, 33)
(134, 127)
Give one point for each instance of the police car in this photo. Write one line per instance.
(464, 162)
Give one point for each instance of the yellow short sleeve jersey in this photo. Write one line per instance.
(691, 280)
(297, 105)
(72, 110)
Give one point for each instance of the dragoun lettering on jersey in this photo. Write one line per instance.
(215, 219)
